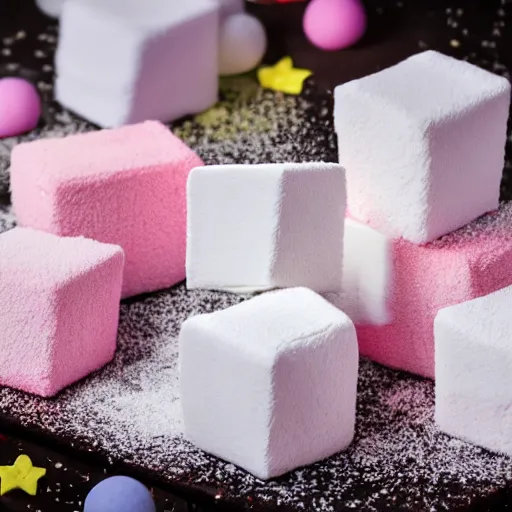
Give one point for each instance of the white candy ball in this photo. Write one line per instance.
(243, 42)
(51, 8)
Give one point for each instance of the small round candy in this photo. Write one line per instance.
(243, 42)
(119, 494)
(334, 24)
(51, 8)
(20, 106)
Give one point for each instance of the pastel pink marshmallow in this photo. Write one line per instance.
(409, 135)
(473, 377)
(59, 299)
(125, 186)
(397, 287)
(270, 384)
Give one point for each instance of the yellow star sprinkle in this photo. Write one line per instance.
(21, 475)
(283, 77)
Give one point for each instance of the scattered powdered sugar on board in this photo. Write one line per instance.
(5, 152)
(252, 125)
(498, 223)
(7, 220)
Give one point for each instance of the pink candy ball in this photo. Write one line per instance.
(334, 24)
(20, 106)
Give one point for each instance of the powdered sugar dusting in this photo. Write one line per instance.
(496, 225)
(7, 220)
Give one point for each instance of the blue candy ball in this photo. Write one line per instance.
(119, 494)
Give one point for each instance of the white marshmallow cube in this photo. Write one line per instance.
(270, 384)
(423, 143)
(473, 356)
(368, 275)
(258, 227)
(155, 59)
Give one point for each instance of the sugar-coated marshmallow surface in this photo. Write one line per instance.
(270, 384)
(411, 134)
(60, 303)
(125, 186)
(473, 377)
(367, 283)
(412, 283)
(257, 227)
(150, 59)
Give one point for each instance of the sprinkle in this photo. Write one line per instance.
(283, 77)
(21, 475)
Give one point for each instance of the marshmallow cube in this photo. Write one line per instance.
(411, 134)
(125, 186)
(270, 384)
(393, 289)
(59, 299)
(258, 227)
(367, 283)
(473, 377)
(151, 59)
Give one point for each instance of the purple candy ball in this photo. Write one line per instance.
(119, 494)
(20, 107)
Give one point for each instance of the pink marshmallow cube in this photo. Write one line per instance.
(395, 318)
(125, 186)
(59, 299)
